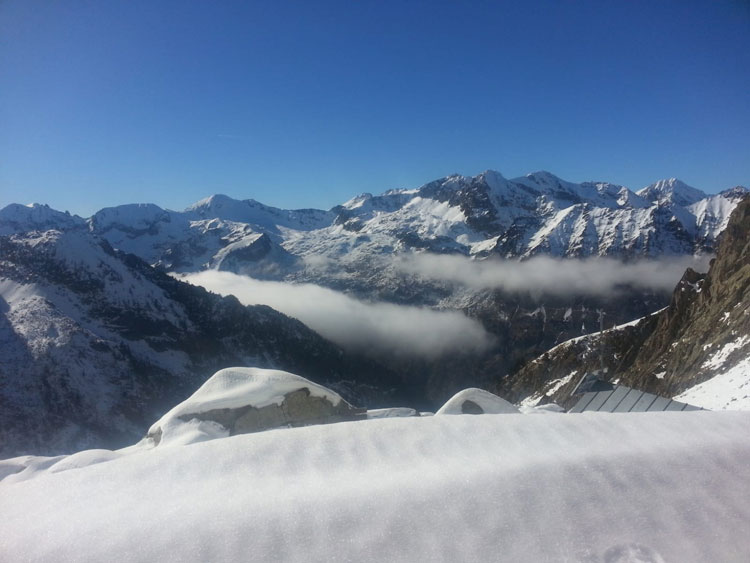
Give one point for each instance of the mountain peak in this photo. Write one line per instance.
(17, 217)
(543, 177)
(493, 178)
(212, 202)
(672, 190)
(735, 192)
(357, 201)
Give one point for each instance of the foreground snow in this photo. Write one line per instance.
(590, 487)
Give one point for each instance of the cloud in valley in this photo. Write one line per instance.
(355, 324)
(551, 276)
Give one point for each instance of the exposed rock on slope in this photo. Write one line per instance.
(703, 337)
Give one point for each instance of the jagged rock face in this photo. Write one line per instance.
(96, 343)
(703, 333)
(705, 316)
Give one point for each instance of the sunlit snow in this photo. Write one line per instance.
(672, 487)
(727, 390)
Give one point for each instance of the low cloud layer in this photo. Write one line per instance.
(355, 324)
(550, 276)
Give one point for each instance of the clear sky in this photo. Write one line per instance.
(305, 104)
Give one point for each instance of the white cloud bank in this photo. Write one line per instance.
(551, 276)
(355, 324)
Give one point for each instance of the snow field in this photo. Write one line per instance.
(727, 390)
(456, 488)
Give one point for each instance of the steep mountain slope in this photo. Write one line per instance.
(698, 348)
(96, 342)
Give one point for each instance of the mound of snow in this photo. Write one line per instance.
(237, 394)
(476, 401)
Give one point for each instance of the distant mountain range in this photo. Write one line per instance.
(477, 216)
(96, 338)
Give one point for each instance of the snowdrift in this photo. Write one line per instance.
(477, 401)
(591, 487)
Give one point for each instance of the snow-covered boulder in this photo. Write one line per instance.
(243, 400)
(476, 401)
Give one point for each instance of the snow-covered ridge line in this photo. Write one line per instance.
(616, 328)
(534, 214)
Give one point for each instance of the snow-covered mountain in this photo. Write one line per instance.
(94, 342)
(477, 216)
(697, 349)
(353, 248)
(17, 218)
(481, 216)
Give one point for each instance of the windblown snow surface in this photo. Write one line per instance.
(653, 487)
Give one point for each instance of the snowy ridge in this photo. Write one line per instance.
(255, 213)
(16, 218)
(671, 191)
(487, 214)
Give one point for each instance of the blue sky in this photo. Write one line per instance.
(305, 104)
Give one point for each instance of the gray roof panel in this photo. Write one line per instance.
(630, 399)
(583, 402)
(659, 404)
(597, 402)
(625, 399)
(614, 399)
(644, 403)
